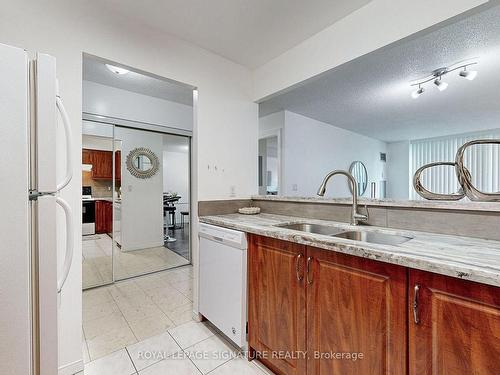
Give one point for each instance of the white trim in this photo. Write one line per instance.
(197, 317)
(71, 368)
(135, 124)
(276, 133)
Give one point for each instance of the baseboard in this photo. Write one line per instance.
(197, 317)
(71, 368)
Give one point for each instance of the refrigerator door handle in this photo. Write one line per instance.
(69, 143)
(68, 258)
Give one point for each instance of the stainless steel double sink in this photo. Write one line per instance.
(355, 235)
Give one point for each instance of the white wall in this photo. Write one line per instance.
(312, 148)
(398, 170)
(377, 24)
(97, 129)
(274, 121)
(225, 121)
(271, 126)
(109, 101)
(97, 143)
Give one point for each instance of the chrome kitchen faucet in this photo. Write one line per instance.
(355, 215)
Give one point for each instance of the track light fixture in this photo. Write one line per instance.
(468, 74)
(441, 85)
(437, 77)
(415, 94)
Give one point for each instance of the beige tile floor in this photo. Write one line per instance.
(97, 261)
(130, 311)
(189, 349)
(144, 326)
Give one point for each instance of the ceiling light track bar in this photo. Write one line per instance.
(441, 72)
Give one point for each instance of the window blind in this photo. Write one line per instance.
(483, 162)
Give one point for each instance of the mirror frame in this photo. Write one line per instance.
(138, 173)
(351, 167)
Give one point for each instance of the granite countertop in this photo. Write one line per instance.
(462, 257)
(421, 204)
(108, 199)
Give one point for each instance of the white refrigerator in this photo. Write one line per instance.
(31, 114)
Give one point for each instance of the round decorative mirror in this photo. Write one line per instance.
(360, 174)
(142, 163)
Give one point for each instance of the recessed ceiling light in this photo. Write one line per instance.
(117, 69)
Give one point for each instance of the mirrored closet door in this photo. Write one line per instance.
(151, 202)
(138, 185)
(97, 204)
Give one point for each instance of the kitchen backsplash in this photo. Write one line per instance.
(100, 188)
(479, 224)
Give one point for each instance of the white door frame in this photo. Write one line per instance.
(276, 133)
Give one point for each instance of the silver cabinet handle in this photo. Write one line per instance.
(416, 317)
(297, 268)
(308, 266)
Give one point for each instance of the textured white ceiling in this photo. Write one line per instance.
(95, 70)
(371, 95)
(249, 32)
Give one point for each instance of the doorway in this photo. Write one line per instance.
(152, 202)
(269, 164)
(136, 169)
(138, 201)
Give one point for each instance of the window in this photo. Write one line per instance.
(483, 162)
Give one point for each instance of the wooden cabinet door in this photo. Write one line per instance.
(102, 164)
(355, 305)
(100, 217)
(458, 329)
(109, 217)
(86, 156)
(277, 304)
(118, 165)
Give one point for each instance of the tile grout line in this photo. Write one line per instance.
(126, 320)
(115, 302)
(190, 360)
(216, 367)
(180, 291)
(184, 351)
(86, 345)
(83, 330)
(222, 364)
(158, 306)
(131, 360)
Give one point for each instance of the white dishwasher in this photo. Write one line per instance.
(223, 280)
